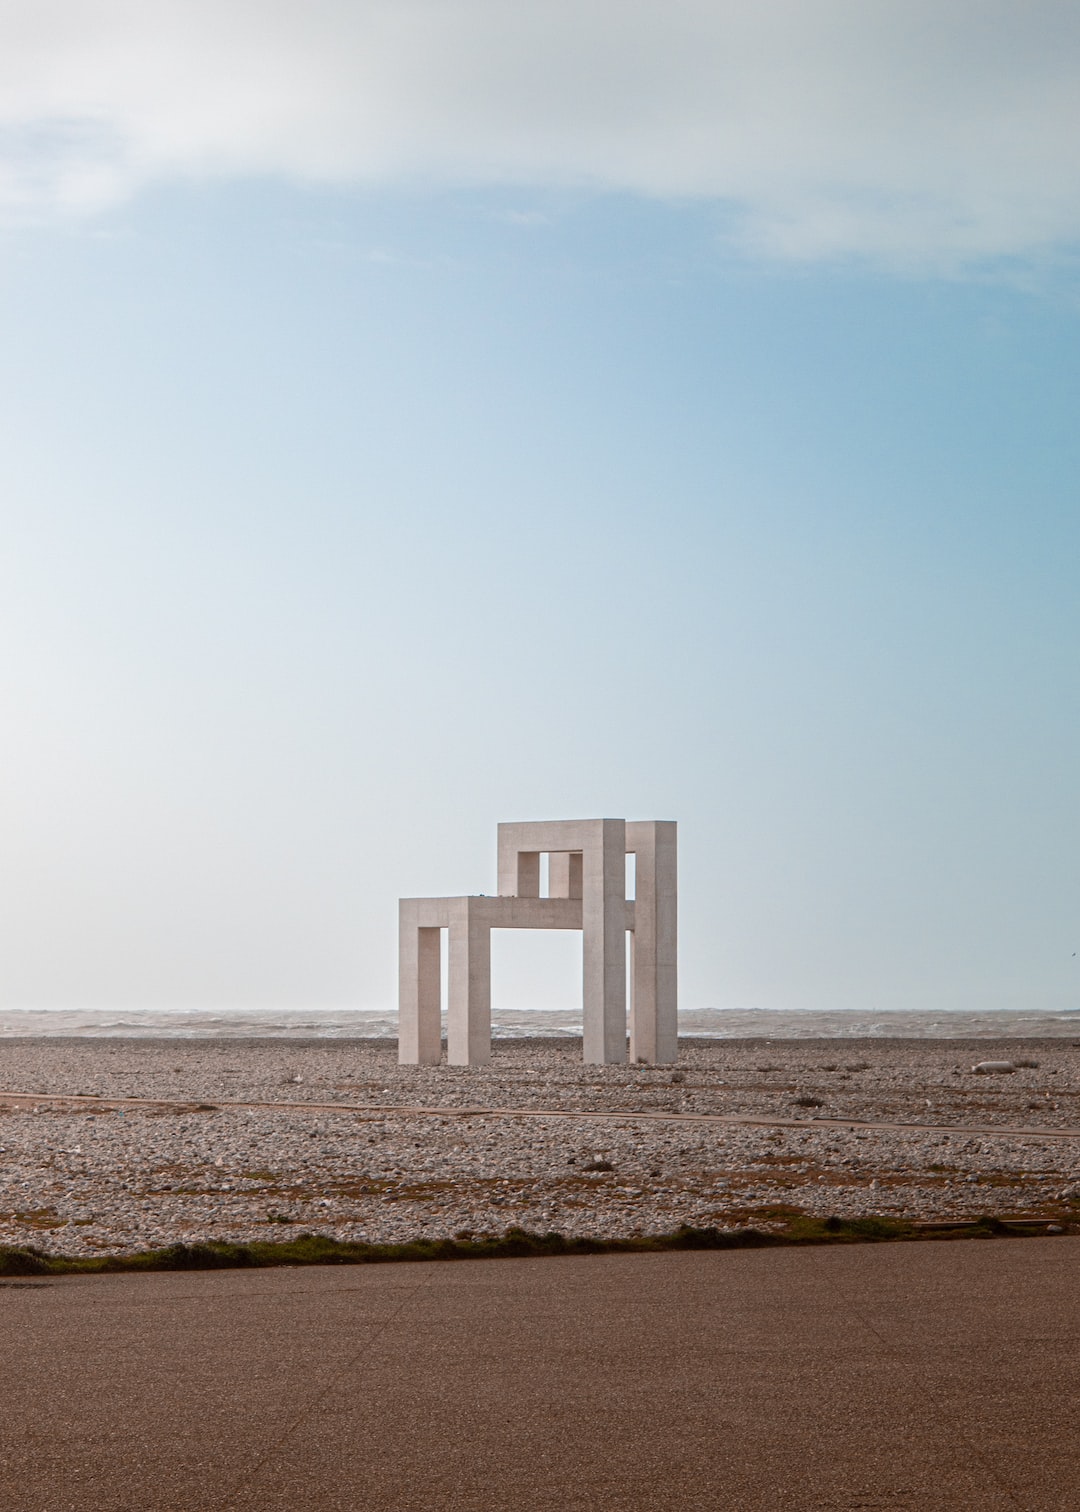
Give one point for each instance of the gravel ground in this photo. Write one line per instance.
(79, 1181)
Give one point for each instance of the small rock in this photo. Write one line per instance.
(598, 1164)
(993, 1068)
(1054, 1228)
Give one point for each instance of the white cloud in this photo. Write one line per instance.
(933, 132)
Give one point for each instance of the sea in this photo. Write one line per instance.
(373, 1023)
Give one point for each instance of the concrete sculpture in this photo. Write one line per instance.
(586, 891)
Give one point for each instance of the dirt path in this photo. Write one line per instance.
(75, 1100)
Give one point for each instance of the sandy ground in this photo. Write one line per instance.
(86, 1181)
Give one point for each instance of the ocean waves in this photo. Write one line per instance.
(360, 1023)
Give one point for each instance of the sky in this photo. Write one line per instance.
(420, 415)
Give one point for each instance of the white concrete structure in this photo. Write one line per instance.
(586, 891)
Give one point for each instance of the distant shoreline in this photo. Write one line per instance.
(733, 1025)
(539, 1041)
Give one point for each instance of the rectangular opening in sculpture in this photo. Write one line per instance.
(534, 969)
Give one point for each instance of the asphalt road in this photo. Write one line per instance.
(935, 1375)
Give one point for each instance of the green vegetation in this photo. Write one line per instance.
(318, 1249)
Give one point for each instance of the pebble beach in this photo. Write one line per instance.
(111, 1146)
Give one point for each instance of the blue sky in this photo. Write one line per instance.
(380, 462)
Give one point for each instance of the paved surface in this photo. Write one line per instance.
(941, 1376)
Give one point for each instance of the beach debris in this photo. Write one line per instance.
(993, 1068)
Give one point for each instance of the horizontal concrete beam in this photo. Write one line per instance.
(502, 913)
(532, 837)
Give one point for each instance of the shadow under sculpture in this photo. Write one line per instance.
(586, 891)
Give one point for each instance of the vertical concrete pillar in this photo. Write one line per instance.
(654, 998)
(604, 942)
(564, 874)
(468, 1031)
(419, 990)
(519, 870)
(528, 874)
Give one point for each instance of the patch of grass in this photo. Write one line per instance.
(780, 1212)
(40, 1218)
(988, 1224)
(865, 1229)
(23, 1261)
(516, 1243)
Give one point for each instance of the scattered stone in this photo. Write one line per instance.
(993, 1068)
(390, 1175)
